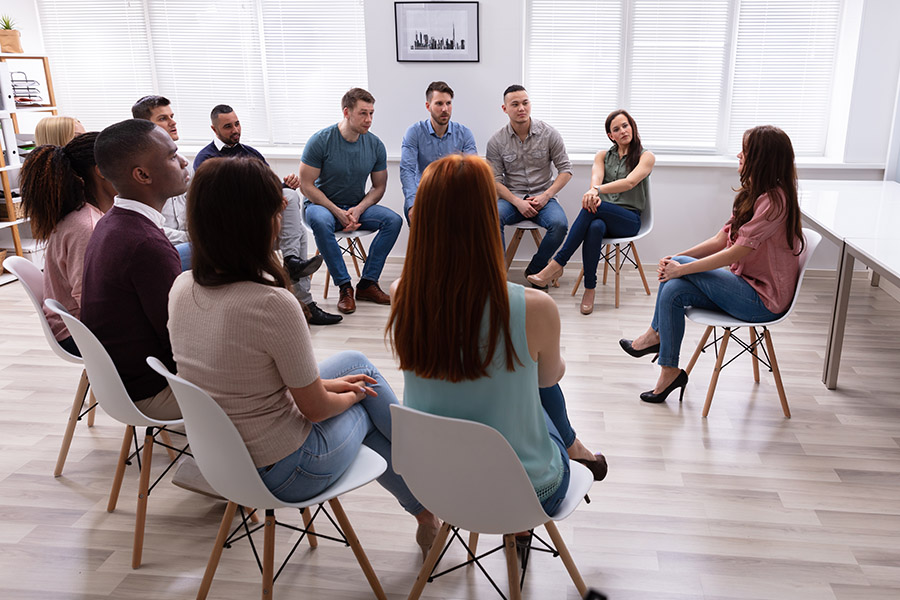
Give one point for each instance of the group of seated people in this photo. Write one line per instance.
(488, 350)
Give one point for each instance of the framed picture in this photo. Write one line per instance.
(436, 31)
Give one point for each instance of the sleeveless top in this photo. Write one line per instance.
(615, 168)
(508, 401)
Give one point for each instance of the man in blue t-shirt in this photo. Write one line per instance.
(428, 140)
(337, 161)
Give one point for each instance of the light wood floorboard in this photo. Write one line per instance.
(745, 504)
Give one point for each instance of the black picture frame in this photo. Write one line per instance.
(437, 31)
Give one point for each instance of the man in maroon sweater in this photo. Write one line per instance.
(129, 265)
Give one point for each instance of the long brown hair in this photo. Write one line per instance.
(231, 208)
(634, 147)
(454, 271)
(56, 181)
(768, 169)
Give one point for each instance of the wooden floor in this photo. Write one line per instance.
(744, 504)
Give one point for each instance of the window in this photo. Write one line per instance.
(694, 73)
(282, 65)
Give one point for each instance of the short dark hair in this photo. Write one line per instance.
(219, 109)
(513, 88)
(118, 145)
(143, 108)
(354, 95)
(437, 86)
(218, 214)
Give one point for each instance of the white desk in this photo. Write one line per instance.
(863, 219)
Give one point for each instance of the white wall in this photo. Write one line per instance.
(25, 14)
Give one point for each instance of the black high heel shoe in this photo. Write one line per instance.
(680, 382)
(627, 347)
(597, 467)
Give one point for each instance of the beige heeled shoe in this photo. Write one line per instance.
(587, 302)
(552, 271)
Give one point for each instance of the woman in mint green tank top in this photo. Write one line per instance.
(471, 345)
(620, 186)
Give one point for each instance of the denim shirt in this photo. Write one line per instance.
(421, 146)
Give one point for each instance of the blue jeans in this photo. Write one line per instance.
(562, 434)
(184, 253)
(333, 444)
(552, 218)
(375, 218)
(590, 228)
(719, 289)
(551, 504)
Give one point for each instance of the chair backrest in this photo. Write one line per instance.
(646, 216)
(106, 384)
(812, 242)
(33, 281)
(464, 472)
(217, 446)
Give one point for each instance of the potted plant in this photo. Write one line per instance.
(9, 36)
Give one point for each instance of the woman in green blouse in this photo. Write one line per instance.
(620, 186)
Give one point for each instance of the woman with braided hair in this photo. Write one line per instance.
(64, 195)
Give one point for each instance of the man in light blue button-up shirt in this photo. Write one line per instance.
(429, 140)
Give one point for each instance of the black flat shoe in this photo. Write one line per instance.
(298, 268)
(627, 347)
(320, 317)
(598, 467)
(680, 382)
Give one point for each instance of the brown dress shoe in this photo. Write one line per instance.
(346, 303)
(373, 293)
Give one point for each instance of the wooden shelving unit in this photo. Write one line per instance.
(10, 160)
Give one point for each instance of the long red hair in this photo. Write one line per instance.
(454, 271)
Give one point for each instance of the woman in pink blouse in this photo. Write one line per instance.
(760, 244)
(64, 195)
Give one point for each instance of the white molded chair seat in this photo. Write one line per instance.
(226, 465)
(521, 227)
(33, 281)
(715, 318)
(468, 475)
(624, 255)
(112, 396)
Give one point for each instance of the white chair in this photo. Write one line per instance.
(33, 281)
(621, 256)
(468, 475)
(715, 318)
(513, 246)
(110, 392)
(354, 248)
(226, 464)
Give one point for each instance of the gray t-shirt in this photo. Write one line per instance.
(344, 166)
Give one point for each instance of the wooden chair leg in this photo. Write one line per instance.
(777, 373)
(473, 544)
(120, 469)
(140, 517)
(578, 281)
(92, 413)
(618, 270)
(167, 440)
(640, 267)
(254, 514)
(358, 551)
(715, 375)
(566, 557)
(216, 554)
(306, 513)
(77, 403)
(268, 577)
(351, 247)
(512, 566)
(605, 258)
(753, 352)
(513, 246)
(430, 561)
(699, 349)
(362, 250)
(327, 281)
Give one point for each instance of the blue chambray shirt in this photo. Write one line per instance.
(421, 147)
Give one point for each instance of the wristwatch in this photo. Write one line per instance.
(596, 187)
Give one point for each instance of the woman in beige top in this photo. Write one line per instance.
(239, 333)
